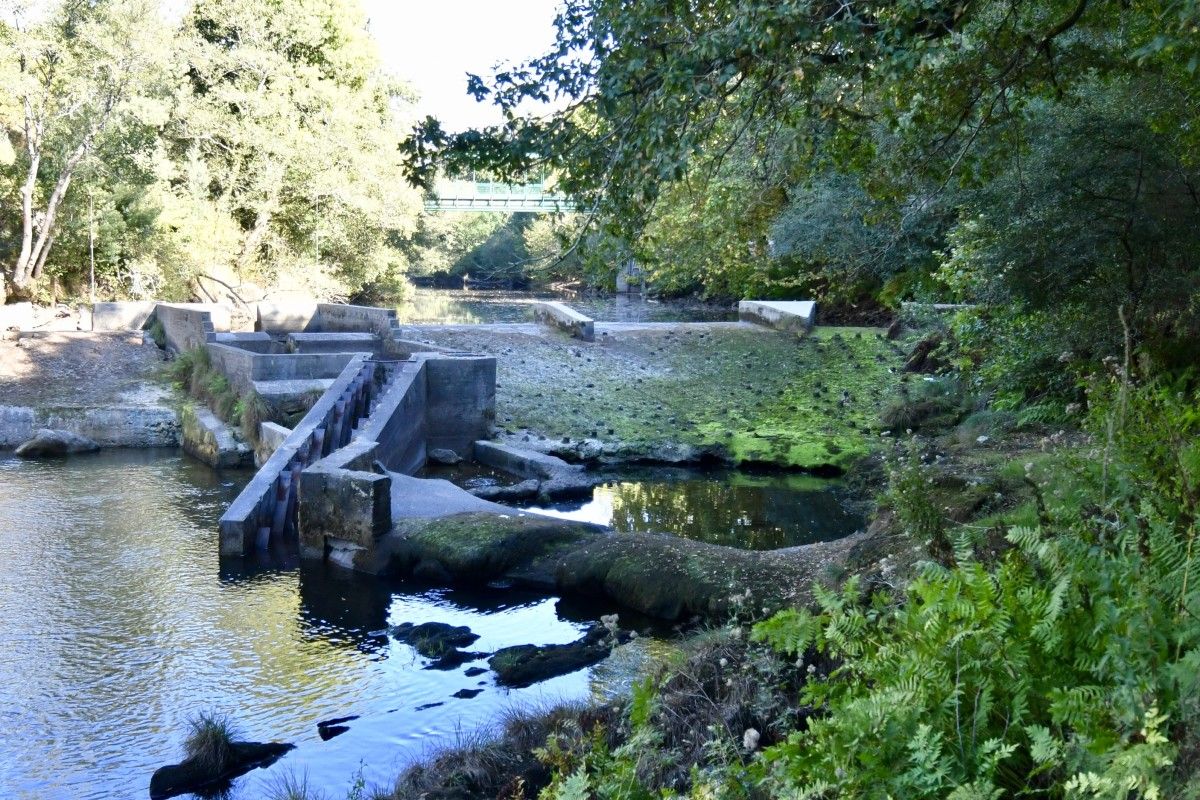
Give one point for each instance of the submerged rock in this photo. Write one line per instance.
(444, 456)
(527, 664)
(47, 442)
(196, 776)
(434, 639)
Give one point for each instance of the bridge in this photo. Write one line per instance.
(482, 196)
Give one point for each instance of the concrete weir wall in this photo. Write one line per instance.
(257, 504)
(243, 367)
(567, 319)
(784, 315)
(432, 401)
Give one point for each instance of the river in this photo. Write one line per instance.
(121, 621)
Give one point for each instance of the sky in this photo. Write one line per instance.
(433, 44)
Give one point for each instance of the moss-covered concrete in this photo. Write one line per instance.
(739, 393)
(663, 576)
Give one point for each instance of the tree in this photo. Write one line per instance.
(74, 77)
(286, 123)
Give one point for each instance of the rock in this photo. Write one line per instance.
(467, 694)
(474, 671)
(443, 456)
(663, 576)
(46, 442)
(524, 490)
(527, 664)
(434, 639)
(197, 778)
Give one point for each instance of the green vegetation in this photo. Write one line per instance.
(209, 743)
(194, 374)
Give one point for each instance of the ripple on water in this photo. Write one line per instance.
(121, 621)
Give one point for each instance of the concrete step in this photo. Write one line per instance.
(287, 392)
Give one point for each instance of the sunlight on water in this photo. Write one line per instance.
(121, 621)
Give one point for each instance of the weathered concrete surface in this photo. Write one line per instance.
(270, 436)
(526, 463)
(663, 576)
(207, 438)
(191, 325)
(344, 506)
(46, 442)
(784, 315)
(124, 316)
(255, 342)
(285, 317)
(349, 342)
(245, 369)
(565, 318)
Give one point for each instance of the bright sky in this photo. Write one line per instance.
(433, 44)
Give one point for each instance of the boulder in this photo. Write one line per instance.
(525, 490)
(197, 777)
(443, 456)
(46, 442)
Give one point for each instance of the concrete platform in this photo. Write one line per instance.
(784, 315)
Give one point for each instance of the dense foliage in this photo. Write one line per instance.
(249, 146)
(1031, 155)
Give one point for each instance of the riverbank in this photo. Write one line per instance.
(107, 386)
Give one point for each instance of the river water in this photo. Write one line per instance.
(120, 621)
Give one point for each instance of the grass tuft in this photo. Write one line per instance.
(290, 786)
(210, 740)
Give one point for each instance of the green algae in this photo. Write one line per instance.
(744, 394)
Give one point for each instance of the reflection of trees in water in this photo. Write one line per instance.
(757, 515)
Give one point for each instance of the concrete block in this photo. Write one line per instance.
(351, 507)
(254, 342)
(123, 316)
(565, 318)
(207, 438)
(286, 317)
(784, 315)
(17, 424)
(348, 342)
(271, 436)
(526, 463)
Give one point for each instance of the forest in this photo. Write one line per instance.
(247, 148)
(1034, 164)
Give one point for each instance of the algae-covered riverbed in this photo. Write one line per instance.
(727, 391)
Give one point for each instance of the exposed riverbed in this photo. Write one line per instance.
(120, 622)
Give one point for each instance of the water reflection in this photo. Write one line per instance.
(120, 621)
(737, 509)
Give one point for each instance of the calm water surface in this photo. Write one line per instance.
(737, 509)
(120, 621)
(464, 306)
